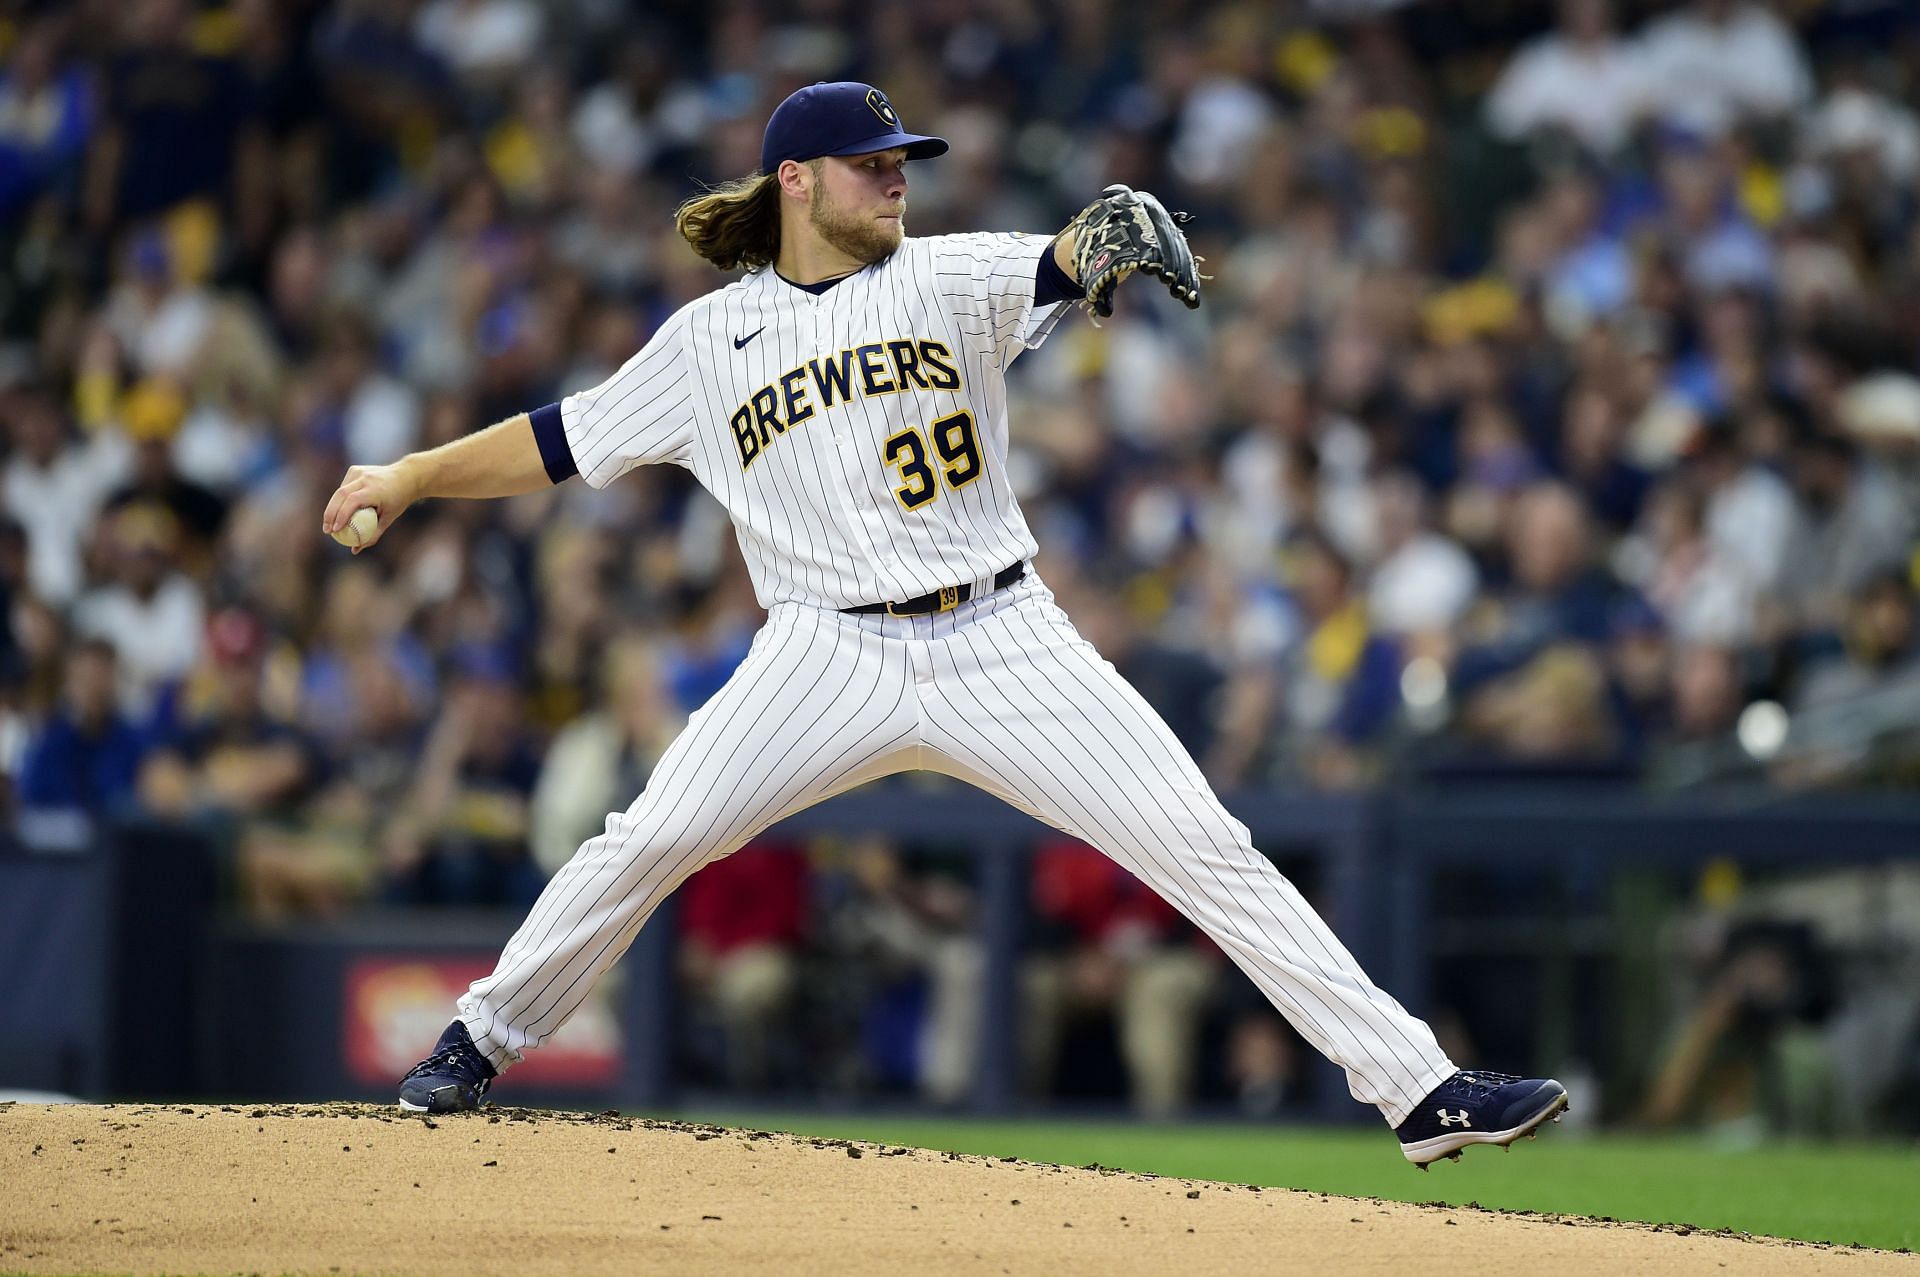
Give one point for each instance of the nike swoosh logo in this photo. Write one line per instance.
(740, 343)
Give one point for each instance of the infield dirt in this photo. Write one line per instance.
(357, 1189)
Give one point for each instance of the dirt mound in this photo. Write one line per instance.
(356, 1189)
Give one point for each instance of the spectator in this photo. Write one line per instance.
(1714, 242)
(379, 414)
(1639, 661)
(299, 291)
(1590, 458)
(323, 858)
(601, 760)
(1864, 137)
(47, 116)
(461, 838)
(1704, 595)
(432, 307)
(223, 754)
(1423, 582)
(1854, 525)
(1495, 461)
(577, 624)
(1551, 711)
(361, 701)
(86, 757)
(55, 487)
(1750, 1045)
(1849, 707)
(1332, 694)
(1883, 648)
(614, 124)
(362, 663)
(1750, 516)
(151, 612)
(1263, 1062)
(179, 125)
(905, 966)
(1116, 948)
(159, 315)
(742, 920)
(1592, 274)
(1707, 694)
(486, 41)
(1554, 592)
(1584, 81)
(1715, 64)
(41, 637)
(150, 416)
(14, 589)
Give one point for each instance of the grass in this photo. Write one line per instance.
(1848, 1194)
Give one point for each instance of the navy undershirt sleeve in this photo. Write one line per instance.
(1051, 284)
(555, 455)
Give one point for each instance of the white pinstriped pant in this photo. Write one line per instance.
(1003, 693)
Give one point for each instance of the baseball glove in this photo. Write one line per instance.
(1127, 230)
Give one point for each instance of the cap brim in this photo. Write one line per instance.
(919, 147)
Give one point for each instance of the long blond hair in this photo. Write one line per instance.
(734, 224)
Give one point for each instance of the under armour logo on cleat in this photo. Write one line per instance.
(1447, 1119)
(740, 343)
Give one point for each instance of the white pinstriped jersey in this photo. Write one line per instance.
(857, 437)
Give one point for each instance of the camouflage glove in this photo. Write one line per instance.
(1127, 230)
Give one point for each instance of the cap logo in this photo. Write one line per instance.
(883, 108)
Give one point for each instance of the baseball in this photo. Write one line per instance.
(360, 528)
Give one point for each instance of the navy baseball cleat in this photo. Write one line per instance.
(1472, 1107)
(451, 1080)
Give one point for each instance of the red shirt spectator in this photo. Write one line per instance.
(758, 895)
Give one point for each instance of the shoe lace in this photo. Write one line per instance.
(1480, 1082)
(459, 1059)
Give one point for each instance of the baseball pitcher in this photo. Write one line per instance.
(845, 400)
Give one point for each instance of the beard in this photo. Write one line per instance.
(859, 237)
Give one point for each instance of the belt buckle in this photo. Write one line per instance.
(946, 599)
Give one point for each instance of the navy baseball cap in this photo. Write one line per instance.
(843, 118)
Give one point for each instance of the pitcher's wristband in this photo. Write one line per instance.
(555, 455)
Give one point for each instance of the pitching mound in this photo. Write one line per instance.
(356, 1189)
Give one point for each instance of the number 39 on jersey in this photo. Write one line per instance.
(957, 447)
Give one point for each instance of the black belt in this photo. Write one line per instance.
(944, 599)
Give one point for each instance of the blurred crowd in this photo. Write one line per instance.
(1552, 410)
